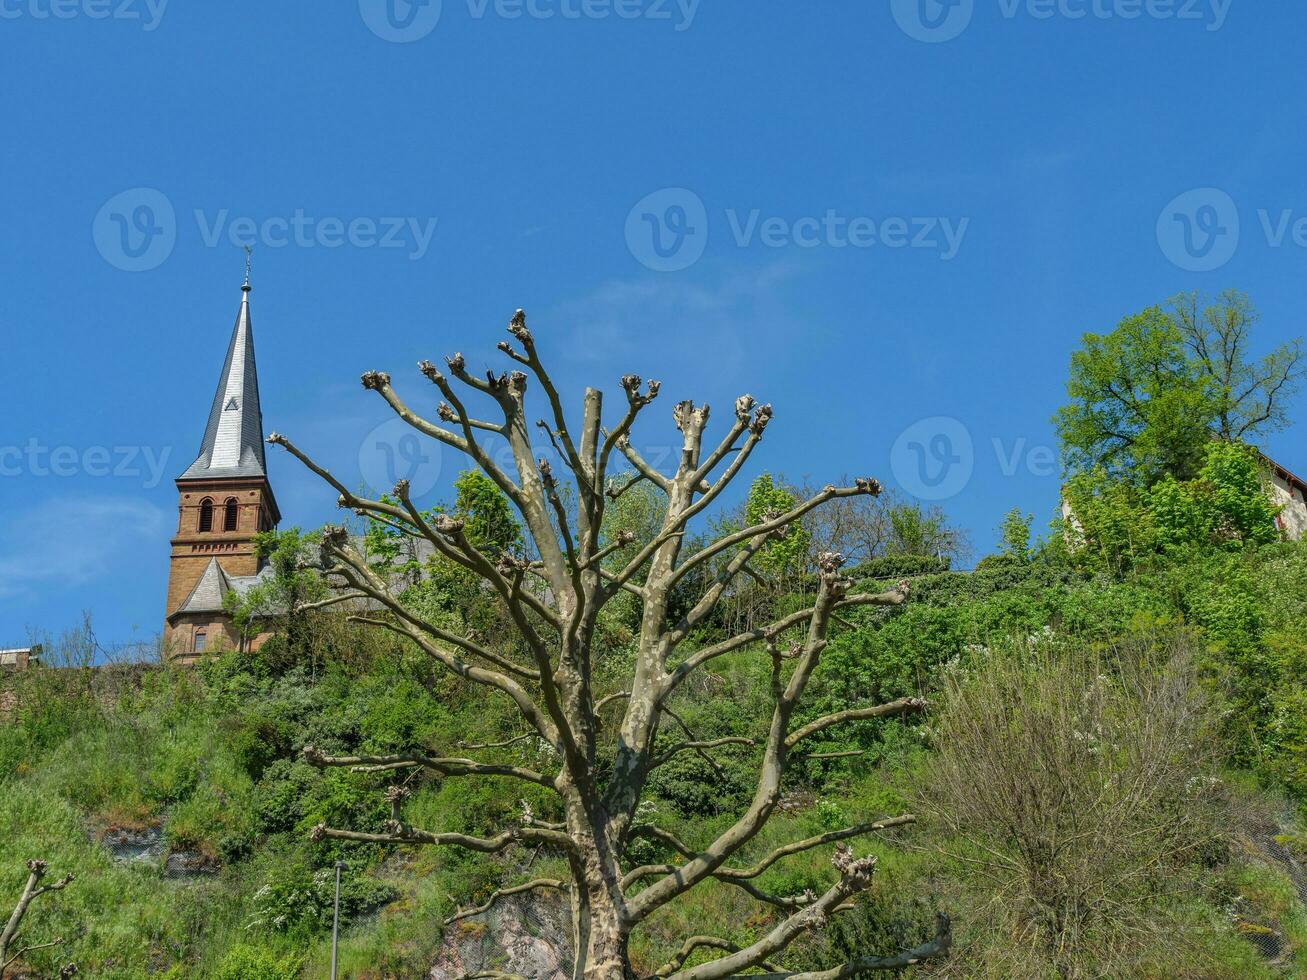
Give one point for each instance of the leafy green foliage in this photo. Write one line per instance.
(298, 899)
(1139, 407)
(490, 524)
(1014, 535)
(245, 962)
(282, 594)
(1249, 395)
(1119, 527)
(766, 501)
(697, 789)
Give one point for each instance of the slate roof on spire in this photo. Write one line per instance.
(233, 438)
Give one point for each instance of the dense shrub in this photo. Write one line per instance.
(245, 962)
(298, 899)
(1084, 791)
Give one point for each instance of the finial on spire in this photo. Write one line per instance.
(249, 251)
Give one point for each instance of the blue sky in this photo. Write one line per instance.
(892, 220)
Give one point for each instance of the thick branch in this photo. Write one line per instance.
(937, 945)
(699, 942)
(900, 707)
(489, 903)
(855, 876)
(404, 834)
(735, 875)
(894, 597)
(867, 487)
(407, 760)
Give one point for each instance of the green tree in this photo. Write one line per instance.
(1147, 397)
(917, 530)
(767, 499)
(488, 516)
(1109, 528)
(1228, 505)
(1117, 525)
(1250, 394)
(284, 594)
(1014, 534)
(1140, 408)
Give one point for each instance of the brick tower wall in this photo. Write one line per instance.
(192, 549)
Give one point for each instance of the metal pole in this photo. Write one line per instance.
(335, 921)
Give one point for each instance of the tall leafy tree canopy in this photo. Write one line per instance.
(1148, 396)
(1139, 408)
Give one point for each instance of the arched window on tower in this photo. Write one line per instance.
(229, 515)
(201, 640)
(206, 515)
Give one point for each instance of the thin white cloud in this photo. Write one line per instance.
(70, 541)
(724, 314)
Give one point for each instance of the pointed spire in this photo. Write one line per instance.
(233, 438)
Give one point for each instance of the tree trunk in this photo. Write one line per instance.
(606, 956)
(600, 927)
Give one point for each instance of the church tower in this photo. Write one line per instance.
(224, 499)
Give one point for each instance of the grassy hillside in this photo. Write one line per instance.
(210, 757)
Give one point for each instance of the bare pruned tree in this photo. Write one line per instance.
(9, 954)
(554, 597)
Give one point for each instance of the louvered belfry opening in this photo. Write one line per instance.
(206, 515)
(229, 515)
